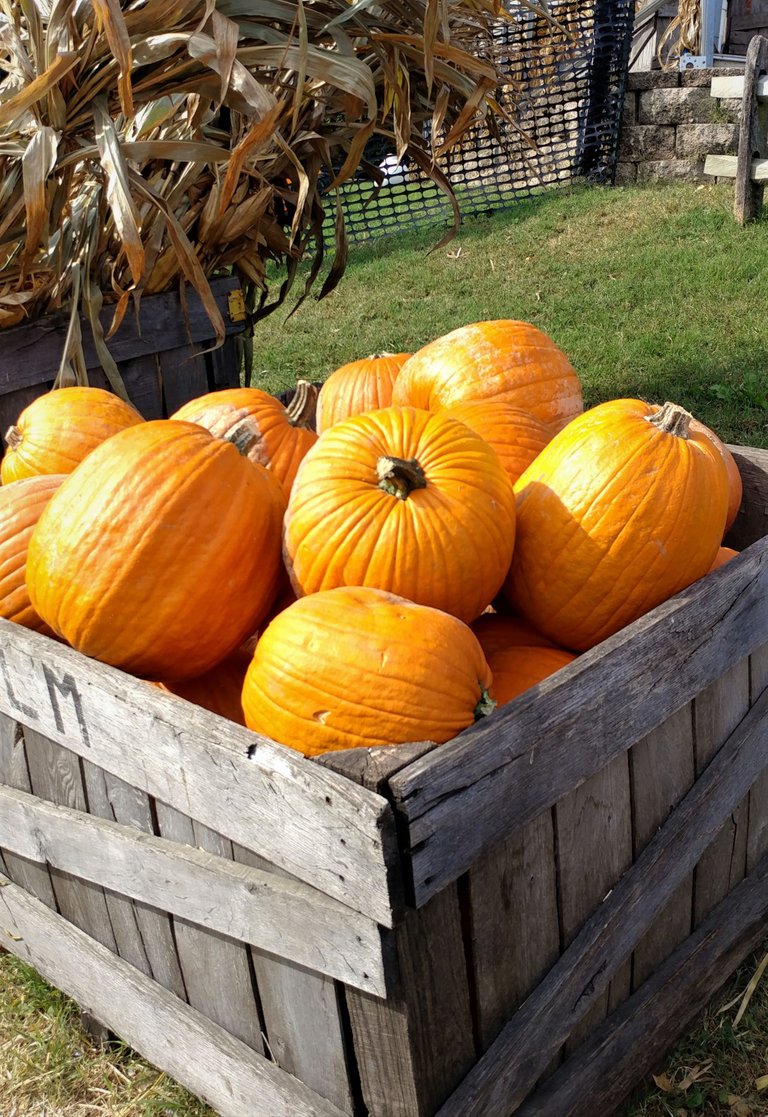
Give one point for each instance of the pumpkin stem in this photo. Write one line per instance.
(485, 706)
(300, 412)
(673, 419)
(13, 438)
(399, 477)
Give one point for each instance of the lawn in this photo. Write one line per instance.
(653, 293)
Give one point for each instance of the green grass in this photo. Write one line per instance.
(654, 293)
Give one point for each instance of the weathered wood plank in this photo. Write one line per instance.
(224, 368)
(464, 797)
(315, 824)
(373, 767)
(216, 970)
(731, 86)
(513, 922)
(716, 713)
(727, 166)
(757, 835)
(184, 376)
(506, 1073)
(31, 353)
(14, 773)
(207, 1060)
(414, 1047)
(753, 140)
(630, 1043)
(302, 1017)
(752, 519)
(594, 847)
(54, 774)
(285, 917)
(662, 771)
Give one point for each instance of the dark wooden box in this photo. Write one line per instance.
(164, 357)
(519, 921)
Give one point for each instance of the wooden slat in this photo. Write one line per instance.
(286, 917)
(184, 376)
(632, 1041)
(752, 518)
(469, 794)
(757, 835)
(207, 1060)
(514, 922)
(727, 166)
(14, 773)
(662, 770)
(506, 1073)
(31, 353)
(731, 87)
(315, 824)
(414, 1047)
(753, 137)
(716, 713)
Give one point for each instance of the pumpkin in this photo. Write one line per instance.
(506, 360)
(355, 666)
(621, 510)
(519, 667)
(57, 430)
(406, 501)
(160, 553)
(218, 690)
(498, 631)
(21, 504)
(516, 436)
(267, 432)
(364, 385)
(724, 555)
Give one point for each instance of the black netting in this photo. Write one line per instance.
(568, 75)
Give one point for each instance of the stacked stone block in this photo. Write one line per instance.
(671, 123)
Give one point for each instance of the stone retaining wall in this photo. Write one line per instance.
(671, 123)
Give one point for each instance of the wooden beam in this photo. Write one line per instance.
(505, 1075)
(215, 1066)
(277, 914)
(753, 140)
(633, 1040)
(469, 794)
(726, 166)
(315, 824)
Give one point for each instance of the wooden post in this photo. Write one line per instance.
(753, 140)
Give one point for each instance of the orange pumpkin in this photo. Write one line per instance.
(517, 668)
(268, 433)
(506, 360)
(355, 666)
(624, 508)
(218, 690)
(724, 555)
(21, 504)
(160, 553)
(364, 385)
(498, 631)
(516, 436)
(56, 431)
(406, 501)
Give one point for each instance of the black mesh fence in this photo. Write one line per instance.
(564, 89)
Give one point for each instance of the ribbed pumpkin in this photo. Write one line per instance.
(268, 433)
(364, 385)
(354, 666)
(504, 359)
(56, 431)
(160, 553)
(220, 689)
(724, 555)
(515, 435)
(624, 508)
(21, 504)
(519, 667)
(735, 489)
(406, 501)
(498, 631)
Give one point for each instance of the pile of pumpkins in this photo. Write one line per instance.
(387, 561)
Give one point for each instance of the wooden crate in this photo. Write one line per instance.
(164, 357)
(519, 921)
